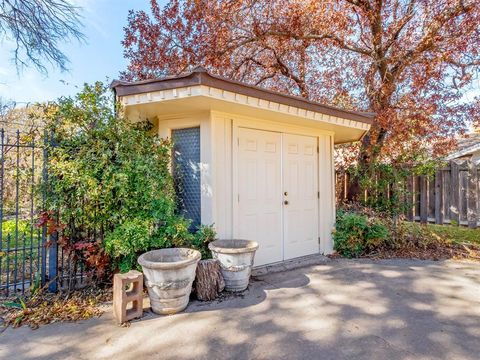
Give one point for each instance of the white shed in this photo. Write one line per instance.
(255, 163)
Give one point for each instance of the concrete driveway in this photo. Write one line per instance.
(340, 310)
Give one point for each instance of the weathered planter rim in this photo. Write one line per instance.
(192, 257)
(220, 246)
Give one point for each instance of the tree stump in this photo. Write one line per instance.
(209, 280)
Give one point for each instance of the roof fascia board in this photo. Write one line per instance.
(463, 152)
(203, 78)
(234, 97)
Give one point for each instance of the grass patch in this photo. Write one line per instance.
(454, 234)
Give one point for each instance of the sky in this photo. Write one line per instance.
(101, 55)
(99, 58)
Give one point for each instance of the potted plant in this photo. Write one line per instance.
(169, 274)
(236, 261)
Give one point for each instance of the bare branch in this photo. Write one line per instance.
(409, 13)
(37, 28)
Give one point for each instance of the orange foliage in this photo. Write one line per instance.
(409, 61)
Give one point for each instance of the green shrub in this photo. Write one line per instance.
(376, 234)
(349, 234)
(355, 234)
(111, 178)
(201, 239)
(135, 237)
(127, 240)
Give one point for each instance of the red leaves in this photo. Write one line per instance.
(411, 62)
(95, 257)
(90, 252)
(47, 218)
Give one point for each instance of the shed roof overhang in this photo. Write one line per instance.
(201, 91)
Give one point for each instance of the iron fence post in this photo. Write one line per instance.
(53, 262)
(43, 271)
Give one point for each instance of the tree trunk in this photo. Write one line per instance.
(354, 189)
(209, 280)
(367, 156)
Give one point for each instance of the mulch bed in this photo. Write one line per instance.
(46, 308)
(467, 251)
(442, 252)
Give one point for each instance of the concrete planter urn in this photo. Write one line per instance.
(169, 274)
(236, 261)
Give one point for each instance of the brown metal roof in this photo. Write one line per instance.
(200, 76)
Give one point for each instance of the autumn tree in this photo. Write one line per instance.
(409, 61)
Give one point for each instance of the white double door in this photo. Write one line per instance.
(277, 182)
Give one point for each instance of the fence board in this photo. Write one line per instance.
(438, 207)
(416, 194)
(423, 199)
(410, 198)
(431, 198)
(463, 195)
(455, 192)
(478, 197)
(446, 194)
(472, 196)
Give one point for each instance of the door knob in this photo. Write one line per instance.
(285, 193)
(286, 202)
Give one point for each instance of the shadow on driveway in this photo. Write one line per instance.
(392, 309)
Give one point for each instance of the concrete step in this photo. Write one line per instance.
(309, 260)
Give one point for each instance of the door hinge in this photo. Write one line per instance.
(238, 141)
(318, 149)
(319, 239)
(318, 194)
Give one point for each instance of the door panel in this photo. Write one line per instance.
(300, 182)
(260, 193)
(269, 165)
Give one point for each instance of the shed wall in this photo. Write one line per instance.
(218, 189)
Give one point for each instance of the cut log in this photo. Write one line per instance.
(209, 280)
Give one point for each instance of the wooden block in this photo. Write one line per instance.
(128, 289)
(209, 281)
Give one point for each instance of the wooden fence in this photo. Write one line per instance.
(450, 196)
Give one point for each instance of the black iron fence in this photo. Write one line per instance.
(29, 255)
